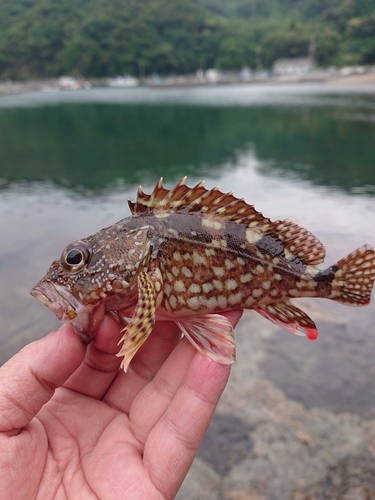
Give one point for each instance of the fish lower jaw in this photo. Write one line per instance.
(60, 307)
(85, 319)
(58, 299)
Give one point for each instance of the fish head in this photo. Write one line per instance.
(93, 275)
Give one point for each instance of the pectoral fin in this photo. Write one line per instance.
(289, 317)
(212, 335)
(137, 331)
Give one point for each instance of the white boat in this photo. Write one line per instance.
(69, 83)
(123, 81)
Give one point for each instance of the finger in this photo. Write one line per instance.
(144, 366)
(29, 379)
(174, 441)
(233, 316)
(159, 393)
(100, 365)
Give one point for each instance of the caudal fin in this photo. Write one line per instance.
(354, 277)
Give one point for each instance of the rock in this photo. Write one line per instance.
(264, 445)
(351, 478)
(201, 483)
(226, 442)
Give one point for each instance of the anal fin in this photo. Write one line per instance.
(289, 317)
(212, 335)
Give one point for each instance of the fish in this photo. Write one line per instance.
(187, 255)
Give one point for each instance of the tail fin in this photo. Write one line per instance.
(354, 277)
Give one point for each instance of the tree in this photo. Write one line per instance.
(235, 52)
(284, 44)
(327, 46)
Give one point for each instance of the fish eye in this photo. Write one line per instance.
(75, 256)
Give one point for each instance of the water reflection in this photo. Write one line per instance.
(91, 147)
(95, 146)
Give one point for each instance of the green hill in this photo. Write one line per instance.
(94, 38)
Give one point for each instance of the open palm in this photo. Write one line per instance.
(74, 426)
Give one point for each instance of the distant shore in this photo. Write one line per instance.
(323, 77)
(365, 79)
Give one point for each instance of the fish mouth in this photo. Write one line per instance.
(85, 319)
(56, 298)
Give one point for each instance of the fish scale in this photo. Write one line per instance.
(188, 254)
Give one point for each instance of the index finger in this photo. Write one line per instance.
(29, 379)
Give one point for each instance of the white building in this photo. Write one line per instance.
(293, 66)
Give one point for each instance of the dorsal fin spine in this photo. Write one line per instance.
(172, 198)
(131, 205)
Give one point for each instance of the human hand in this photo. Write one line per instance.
(73, 426)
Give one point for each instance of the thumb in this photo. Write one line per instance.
(29, 379)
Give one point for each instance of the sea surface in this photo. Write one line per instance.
(70, 160)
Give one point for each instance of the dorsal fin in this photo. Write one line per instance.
(196, 199)
(299, 241)
(145, 201)
(302, 244)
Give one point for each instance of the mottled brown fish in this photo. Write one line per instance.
(188, 254)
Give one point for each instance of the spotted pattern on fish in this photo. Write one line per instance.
(137, 332)
(187, 254)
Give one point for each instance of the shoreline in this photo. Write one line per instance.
(318, 77)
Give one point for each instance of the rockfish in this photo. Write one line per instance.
(188, 254)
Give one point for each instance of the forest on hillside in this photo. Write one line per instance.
(96, 38)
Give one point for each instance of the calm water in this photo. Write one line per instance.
(70, 160)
